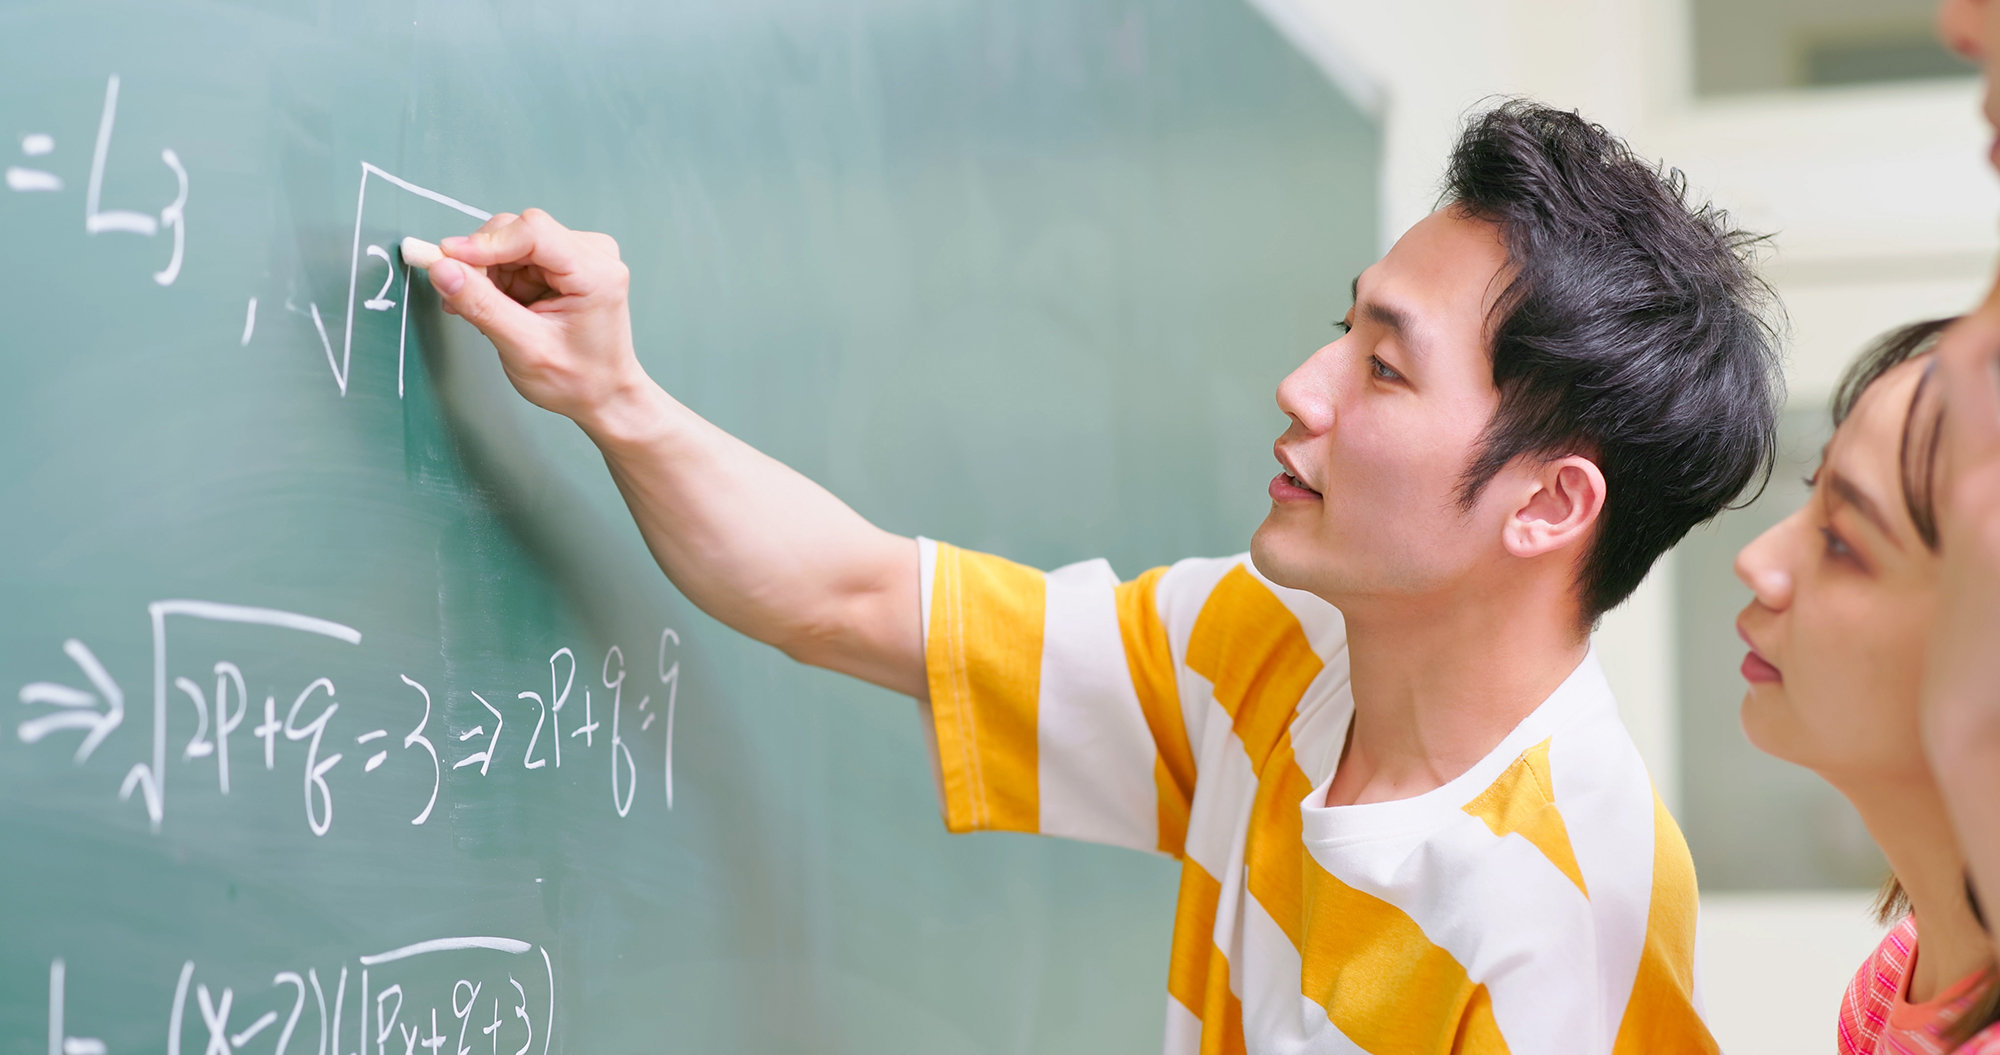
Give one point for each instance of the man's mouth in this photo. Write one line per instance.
(1287, 487)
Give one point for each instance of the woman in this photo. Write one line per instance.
(1846, 592)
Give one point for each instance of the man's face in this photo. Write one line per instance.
(1385, 421)
(1972, 28)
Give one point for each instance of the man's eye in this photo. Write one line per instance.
(1382, 370)
(1345, 326)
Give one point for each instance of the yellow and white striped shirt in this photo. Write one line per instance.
(1541, 902)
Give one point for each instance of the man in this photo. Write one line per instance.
(1407, 814)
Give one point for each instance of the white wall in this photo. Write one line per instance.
(1774, 967)
(1884, 213)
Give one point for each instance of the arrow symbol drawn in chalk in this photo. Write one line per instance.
(483, 758)
(77, 708)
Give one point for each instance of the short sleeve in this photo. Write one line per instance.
(1054, 700)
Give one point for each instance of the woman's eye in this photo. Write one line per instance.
(1382, 370)
(1836, 546)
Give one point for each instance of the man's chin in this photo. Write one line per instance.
(1299, 559)
(1279, 558)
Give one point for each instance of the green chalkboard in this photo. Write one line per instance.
(344, 711)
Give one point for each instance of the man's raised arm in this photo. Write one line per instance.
(752, 542)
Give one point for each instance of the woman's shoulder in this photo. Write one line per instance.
(1865, 1007)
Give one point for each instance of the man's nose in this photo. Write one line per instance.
(1308, 394)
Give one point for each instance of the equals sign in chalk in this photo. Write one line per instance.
(419, 253)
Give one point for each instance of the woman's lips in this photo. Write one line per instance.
(1758, 669)
(1755, 667)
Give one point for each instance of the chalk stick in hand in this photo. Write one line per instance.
(420, 253)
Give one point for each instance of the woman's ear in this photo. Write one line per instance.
(1564, 499)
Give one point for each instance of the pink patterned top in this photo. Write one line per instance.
(1876, 1017)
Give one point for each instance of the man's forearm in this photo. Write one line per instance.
(759, 546)
(754, 544)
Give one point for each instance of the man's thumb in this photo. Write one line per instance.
(468, 292)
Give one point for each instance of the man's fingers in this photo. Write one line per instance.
(601, 242)
(532, 238)
(497, 221)
(468, 293)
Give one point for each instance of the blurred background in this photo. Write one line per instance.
(1849, 134)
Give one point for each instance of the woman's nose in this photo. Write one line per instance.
(1761, 566)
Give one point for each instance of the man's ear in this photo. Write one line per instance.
(1564, 499)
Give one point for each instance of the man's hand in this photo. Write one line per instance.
(553, 301)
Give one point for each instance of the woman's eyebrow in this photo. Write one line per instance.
(1841, 489)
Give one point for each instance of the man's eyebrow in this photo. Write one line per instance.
(1844, 490)
(1394, 319)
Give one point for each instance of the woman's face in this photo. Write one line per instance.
(1844, 592)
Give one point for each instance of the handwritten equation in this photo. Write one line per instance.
(37, 148)
(493, 1002)
(171, 217)
(94, 707)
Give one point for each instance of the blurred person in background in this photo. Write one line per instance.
(1962, 691)
(1846, 594)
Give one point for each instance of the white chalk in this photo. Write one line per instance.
(419, 253)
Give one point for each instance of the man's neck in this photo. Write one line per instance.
(1908, 820)
(1438, 683)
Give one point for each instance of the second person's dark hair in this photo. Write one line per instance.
(1632, 331)
(1923, 424)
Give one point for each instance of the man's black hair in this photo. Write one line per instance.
(1632, 331)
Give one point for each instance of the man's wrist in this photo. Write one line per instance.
(634, 412)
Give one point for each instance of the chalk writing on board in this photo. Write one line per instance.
(215, 704)
(99, 220)
(342, 366)
(151, 778)
(26, 180)
(396, 1011)
(79, 706)
(416, 736)
(172, 216)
